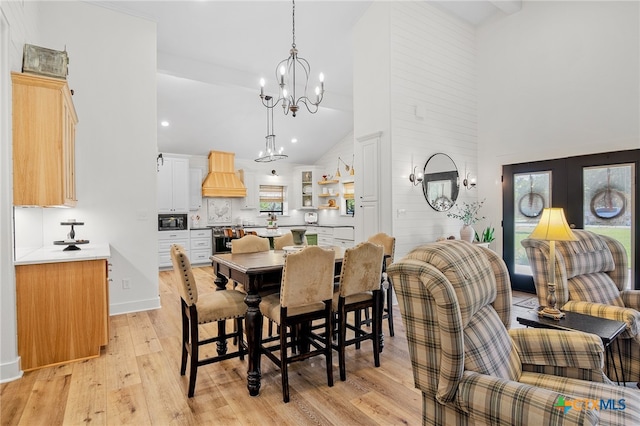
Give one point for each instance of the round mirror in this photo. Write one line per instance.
(440, 184)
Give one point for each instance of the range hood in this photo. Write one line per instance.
(222, 180)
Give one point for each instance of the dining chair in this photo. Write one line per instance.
(217, 306)
(240, 233)
(283, 241)
(359, 288)
(305, 296)
(389, 244)
(249, 244)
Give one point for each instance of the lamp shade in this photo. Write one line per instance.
(553, 226)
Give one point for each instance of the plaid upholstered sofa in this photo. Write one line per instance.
(455, 301)
(591, 278)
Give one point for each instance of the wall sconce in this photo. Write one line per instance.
(469, 181)
(348, 168)
(415, 178)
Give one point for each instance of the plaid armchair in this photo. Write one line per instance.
(455, 301)
(591, 278)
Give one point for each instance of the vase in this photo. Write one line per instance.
(467, 233)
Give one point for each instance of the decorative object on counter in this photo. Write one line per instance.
(348, 168)
(272, 221)
(298, 236)
(311, 218)
(43, 61)
(270, 153)
(286, 72)
(71, 241)
(485, 237)
(552, 227)
(195, 220)
(219, 211)
(441, 182)
(468, 214)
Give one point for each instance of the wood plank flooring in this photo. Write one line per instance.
(136, 381)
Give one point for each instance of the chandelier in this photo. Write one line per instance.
(286, 73)
(270, 153)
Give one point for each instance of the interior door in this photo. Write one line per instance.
(598, 192)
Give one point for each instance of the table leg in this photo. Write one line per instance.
(253, 324)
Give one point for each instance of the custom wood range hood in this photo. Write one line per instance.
(222, 180)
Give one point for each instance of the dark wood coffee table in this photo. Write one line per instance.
(608, 330)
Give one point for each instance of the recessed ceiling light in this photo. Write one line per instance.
(164, 123)
(294, 140)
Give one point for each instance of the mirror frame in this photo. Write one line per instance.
(450, 178)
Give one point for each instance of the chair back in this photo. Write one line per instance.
(249, 244)
(361, 269)
(184, 275)
(282, 241)
(455, 301)
(388, 243)
(307, 277)
(592, 269)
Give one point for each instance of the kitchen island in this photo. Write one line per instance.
(62, 304)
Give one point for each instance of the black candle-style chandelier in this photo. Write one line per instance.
(270, 153)
(286, 72)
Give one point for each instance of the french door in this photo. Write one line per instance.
(599, 192)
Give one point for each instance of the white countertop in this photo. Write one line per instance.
(55, 254)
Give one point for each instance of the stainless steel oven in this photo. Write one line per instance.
(172, 222)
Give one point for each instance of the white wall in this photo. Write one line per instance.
(556, 79)
(17, 25)
(422, 82)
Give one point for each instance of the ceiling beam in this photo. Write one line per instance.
(508, 6)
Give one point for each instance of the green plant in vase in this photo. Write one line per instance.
(468, 213)
(485, 236)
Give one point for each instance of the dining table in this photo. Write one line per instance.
(255, 271)
(271, 234)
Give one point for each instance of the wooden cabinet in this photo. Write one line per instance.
(173, 185)
(44, 128)
(62, 311)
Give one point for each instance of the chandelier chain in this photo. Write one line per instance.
(293, 26)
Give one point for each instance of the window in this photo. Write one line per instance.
(273, 199)
(349, 200)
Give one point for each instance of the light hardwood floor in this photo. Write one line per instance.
(136, 381)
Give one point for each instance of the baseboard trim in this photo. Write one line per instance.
(136, 306)
(10, 371)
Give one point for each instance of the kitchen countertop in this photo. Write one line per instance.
(55, 254)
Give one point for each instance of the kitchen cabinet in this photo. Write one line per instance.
(195, 189)
(44, 128)
(305, 187)
(165, 239)
(173, 185)
(200, 244)
(62, 311)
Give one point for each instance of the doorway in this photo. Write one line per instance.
(598, 192)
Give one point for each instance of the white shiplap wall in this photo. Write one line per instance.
(433, 109)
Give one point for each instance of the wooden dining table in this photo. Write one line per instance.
(255, 271)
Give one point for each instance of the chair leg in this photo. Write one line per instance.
(185, 339)
(222, 332)
(378, 303)
(358, 322)
(342, 336)
(329, 346)
(193, 370)
(284, 370)
(390, 308)
(241, 347)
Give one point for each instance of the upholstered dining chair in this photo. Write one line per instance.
(305, 296)
(455, 302)
(217, 306)
(359, 288)
(282, 241)
(591, 278)
(249, 244)
(389, 244)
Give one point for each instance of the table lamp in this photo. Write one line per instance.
(552, 227)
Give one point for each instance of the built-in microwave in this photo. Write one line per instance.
(172, 222)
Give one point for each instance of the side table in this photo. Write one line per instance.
(608, 330)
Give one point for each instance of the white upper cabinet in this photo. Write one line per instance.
(251, 199)
(195, 188)
(173, 185)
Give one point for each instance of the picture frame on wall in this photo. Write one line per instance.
(219, 211)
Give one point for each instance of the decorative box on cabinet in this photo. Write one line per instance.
(200, 244)
(165, 239)
(62, 311)
(173, 185)
(44, 128)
